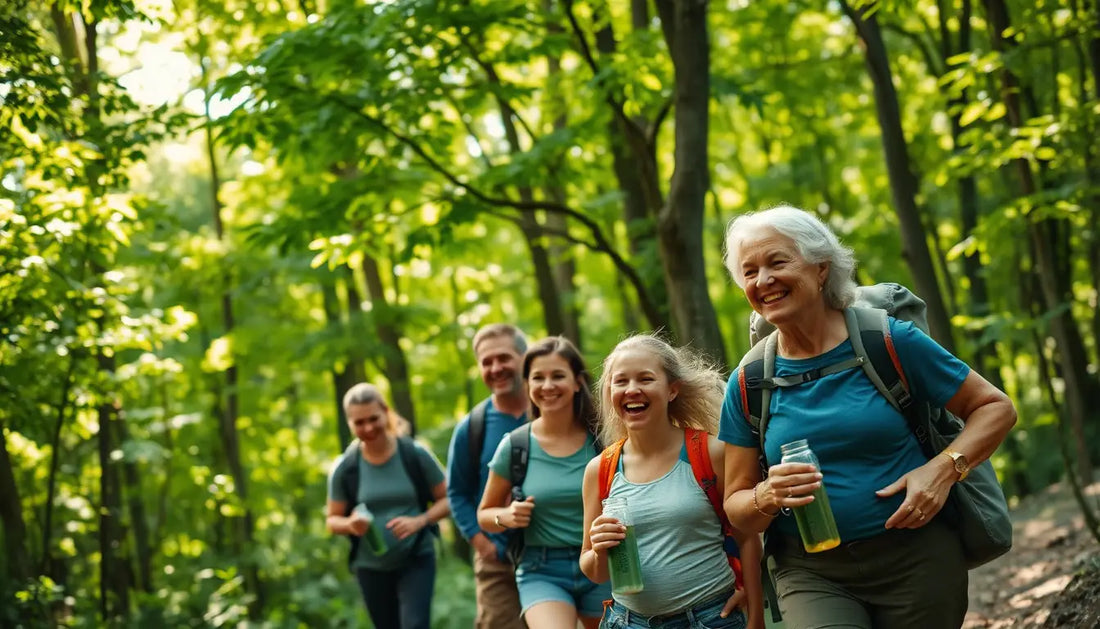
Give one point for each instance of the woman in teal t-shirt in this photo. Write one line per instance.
(372, 498)
(553, 592)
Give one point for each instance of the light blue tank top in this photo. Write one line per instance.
(679, 543)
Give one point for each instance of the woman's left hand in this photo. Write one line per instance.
(926, 490)
(405, 526)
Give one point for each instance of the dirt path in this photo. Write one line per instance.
(1027, 587)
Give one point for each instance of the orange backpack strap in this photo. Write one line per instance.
(703, 469)
(609, 462)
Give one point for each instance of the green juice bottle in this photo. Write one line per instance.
(373, 538)
(816, 524)
(623, 561)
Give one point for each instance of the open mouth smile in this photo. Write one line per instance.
(773, 297)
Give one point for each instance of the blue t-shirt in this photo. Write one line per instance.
(555, 481)
(862, 443)
(388, 492)
(464, 488)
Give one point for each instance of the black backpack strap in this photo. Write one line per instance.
(410, 460)
(476, 436)
(347, 474)
(520, 442)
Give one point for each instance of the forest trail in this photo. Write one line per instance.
(1027, 587)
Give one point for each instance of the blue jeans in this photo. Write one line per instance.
(410, 588)
(703, 616)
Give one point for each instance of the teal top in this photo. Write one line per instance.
(558, 517)
(388, 493)
(679, 542)
(862, 443)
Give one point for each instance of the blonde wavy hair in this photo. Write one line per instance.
(698, 403)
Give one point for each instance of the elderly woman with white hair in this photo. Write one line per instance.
(897, 565)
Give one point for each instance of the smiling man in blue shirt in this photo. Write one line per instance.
(499, 350)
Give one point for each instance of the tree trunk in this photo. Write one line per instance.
(230, 411)
(903, 184)
(11, 516)
(114, 571)
(564, 267)
(680, 222)
(1092, 169)
(388, 329)
(1055, 289)
(634, 162)
(552, 312)
(349, 371)
(139, 522)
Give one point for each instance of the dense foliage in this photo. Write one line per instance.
(217, 216)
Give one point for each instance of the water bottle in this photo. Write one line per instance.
(815, 521)
(623, 561)
(373, 537)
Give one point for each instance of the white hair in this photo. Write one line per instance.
(815, 241)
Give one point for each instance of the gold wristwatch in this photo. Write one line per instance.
(959, 460)
(496, 519)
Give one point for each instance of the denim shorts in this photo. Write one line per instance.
(703, 616)
(554, 574)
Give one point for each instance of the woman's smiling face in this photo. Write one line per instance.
(779, 282)
(639, 389)
(551, 383)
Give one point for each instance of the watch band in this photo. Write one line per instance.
(959, 462)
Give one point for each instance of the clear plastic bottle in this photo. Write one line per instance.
(374, 538)
(815, 521)
(623, 561)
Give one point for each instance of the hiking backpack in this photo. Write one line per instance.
(976, 507)
(520, 443)
(347, 474)
(699, 458)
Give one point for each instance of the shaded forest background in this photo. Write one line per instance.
(215, 216)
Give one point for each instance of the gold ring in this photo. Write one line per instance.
(788, 492)
(920, 514)
(910, 510)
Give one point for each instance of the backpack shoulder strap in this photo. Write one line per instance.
(703, 470)
(869, 329)
(475, 435)
(410, 459)
(519, 441)
(347, 474)
(869, 333)
(609, 462)
(754, 375)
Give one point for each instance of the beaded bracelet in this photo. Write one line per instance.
(756, 505)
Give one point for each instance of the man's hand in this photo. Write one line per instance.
(484, 547)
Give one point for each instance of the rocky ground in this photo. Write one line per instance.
(1050, 578)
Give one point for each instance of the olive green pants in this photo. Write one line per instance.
(900, 579)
